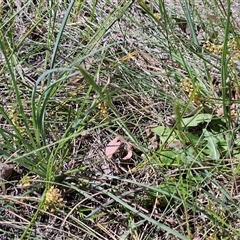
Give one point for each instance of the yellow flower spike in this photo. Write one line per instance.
(157, 16)
(237, 55)
(211, 49)
(25, 181)
(103, 109)
(53, 199)
(208, 43)
(15, 122)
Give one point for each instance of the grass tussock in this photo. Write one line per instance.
(119, 120)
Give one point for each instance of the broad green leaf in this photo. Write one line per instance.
(163, 133)
(196, 120)
(160, 130)
(212, 144)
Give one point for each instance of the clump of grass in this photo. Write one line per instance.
(72, 87)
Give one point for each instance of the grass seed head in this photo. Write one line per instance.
(53, 199)
(25, 182)
(187, 86)
(102, 106)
